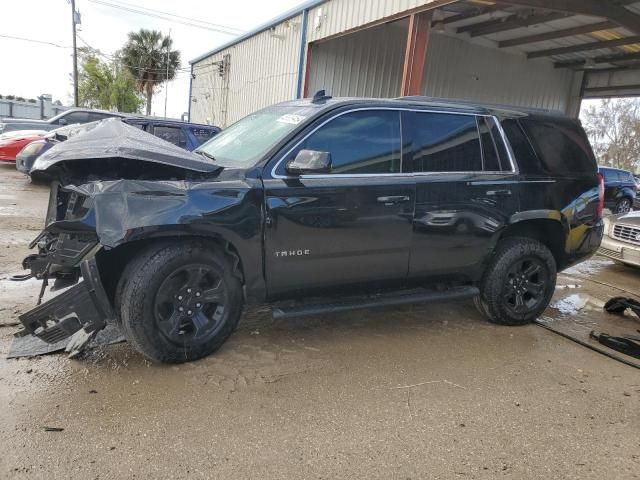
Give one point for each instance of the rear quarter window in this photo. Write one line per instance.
(202, 134)
(560, 145)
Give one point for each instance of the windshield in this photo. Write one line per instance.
(246, 141)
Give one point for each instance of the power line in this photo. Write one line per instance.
(167, 17)
(35, 41)
(189, 19)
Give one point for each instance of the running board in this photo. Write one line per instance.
(372, 301)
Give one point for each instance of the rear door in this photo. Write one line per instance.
(466, 190)
(350, 225)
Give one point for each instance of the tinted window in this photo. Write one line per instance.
(525, 156)
(360, 142)
(446, 143)
(609, 175)
(170, 134)
(561, 146)
(76, 117)
(202, 134)
(98, 116)
(494, 153)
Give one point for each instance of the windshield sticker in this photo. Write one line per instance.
(291, 118)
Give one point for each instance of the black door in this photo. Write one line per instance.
(465, 191)
(348, 226)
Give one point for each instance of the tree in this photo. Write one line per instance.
(613, 127)
(148, 56)
(106, 85)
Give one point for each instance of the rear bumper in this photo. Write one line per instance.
(83, 306)
(621, 251)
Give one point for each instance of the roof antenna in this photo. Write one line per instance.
(320, 97)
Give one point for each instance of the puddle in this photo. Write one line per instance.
(589, 267)
(572, 304)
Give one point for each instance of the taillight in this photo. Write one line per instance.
(600, 195)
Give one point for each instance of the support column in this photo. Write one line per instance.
(415, 53)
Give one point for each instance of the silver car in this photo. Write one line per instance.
(621, 240)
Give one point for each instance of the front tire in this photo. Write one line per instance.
(519, 282)
(624, 205)
(179, 302)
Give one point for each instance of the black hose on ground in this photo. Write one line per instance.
(588, 345)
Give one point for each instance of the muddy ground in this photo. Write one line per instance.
(413, 392)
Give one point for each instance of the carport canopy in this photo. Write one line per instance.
(597, 41)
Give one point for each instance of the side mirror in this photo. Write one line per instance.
(310, 161)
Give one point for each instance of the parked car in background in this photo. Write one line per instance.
(11, 143)
(314, 206)
(621, 240)
(620, 189)
(184, 135)
(28, 155)
(68, 117)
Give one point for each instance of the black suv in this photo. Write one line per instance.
(620, 189)
(314, 206)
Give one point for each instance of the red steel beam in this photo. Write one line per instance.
(415, 53)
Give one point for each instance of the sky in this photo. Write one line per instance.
(30, 69)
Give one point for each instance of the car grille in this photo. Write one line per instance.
(610, 253)
(627, 233)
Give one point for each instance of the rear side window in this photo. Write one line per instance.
(494, 153)
(173, 135)
(202, 134)
(561, 147)
(446, 143)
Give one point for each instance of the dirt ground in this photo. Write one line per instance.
(413, 392)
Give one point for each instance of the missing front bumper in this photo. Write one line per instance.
(83, 306)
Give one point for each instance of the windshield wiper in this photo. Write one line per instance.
(207, 155)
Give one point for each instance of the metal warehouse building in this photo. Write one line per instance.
(537, 53)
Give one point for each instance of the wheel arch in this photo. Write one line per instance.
(113, 261)
(549, 228)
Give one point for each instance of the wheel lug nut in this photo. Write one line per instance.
(198, 294)
(181, 309)
(198, 305)
(179, 297)
(189, 312)
(188, 290)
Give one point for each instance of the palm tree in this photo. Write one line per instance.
(147, 54)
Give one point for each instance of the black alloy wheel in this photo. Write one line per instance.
(525, 286)
(190, 304)
(623, 206)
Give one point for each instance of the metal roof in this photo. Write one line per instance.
(608, 45)
(261, 28)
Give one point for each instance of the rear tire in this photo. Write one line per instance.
(519, 282)
(179, 302)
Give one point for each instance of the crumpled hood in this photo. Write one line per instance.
(112, 138)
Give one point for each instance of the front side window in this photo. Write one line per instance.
(446, 143)
(364, 142)
(76, 117)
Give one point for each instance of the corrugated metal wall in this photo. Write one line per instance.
(337, 16)
(263, 70)
(460, 69)
(367, 64)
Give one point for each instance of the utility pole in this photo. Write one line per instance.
(75, 54)
(166, 81)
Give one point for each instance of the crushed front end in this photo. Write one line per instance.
(66, 256)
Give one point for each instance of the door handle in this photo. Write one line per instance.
(499, 193)
(393, 199)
